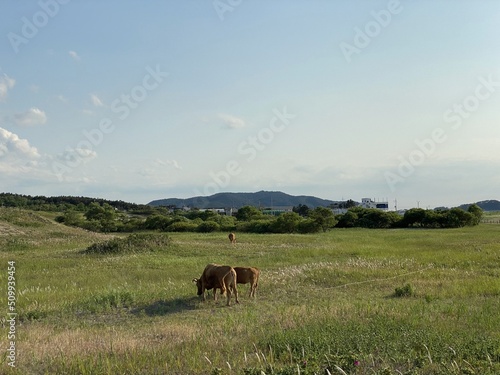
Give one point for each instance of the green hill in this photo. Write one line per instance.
(238, 200)
(488, 205)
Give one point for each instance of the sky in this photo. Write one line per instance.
(347, 99)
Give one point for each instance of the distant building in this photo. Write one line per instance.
(277, 210)
(369, 203)
(339, 211)
(220, 211)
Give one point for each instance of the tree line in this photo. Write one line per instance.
(117, 216)
(105, 218)
(60, 203)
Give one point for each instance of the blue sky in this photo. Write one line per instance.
(145, 100)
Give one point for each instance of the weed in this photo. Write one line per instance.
(405, 291)
(108, 301)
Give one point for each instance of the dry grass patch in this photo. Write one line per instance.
(40, 341)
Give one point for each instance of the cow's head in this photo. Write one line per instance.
(198, 285)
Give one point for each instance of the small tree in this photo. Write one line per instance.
(247, 213)
(308, 226)
(208, 226)
(71, 217)
(105, 215)
(287, 223)
(348, 220)
(158, 222)
(457, 218)
(302, 210)
(323, 217)
(476, 212)
(414, 217)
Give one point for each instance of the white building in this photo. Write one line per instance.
(369, 203)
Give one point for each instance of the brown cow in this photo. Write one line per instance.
(232, 238)
(245, 275)
(217, 276)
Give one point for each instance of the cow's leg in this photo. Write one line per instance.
(228, 296)
(235, 290)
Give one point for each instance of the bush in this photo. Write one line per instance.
(348, 220)
(182, 226)
(106, 302)
(405, 291)
(208, 226)
(158, 222)
(309, 226)
(227, 223)
(324, 217)
(131, 244)
(286, 223)
(369, 218)
(256, 226)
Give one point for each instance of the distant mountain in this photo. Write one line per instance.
(262, 199)
(490, 205)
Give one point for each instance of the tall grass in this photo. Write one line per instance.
(325, 303)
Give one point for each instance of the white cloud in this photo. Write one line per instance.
(21, 164)
(31, 117)
(15, 148)
(6, 83)
(74, 55)
(96, 101)
(231, 122)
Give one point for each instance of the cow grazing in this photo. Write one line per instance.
(217, 276)
(245, 275)
(232, 238)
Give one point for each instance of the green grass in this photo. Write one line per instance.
(353, 300)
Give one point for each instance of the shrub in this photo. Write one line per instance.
(208, 226)
(159, 222)
(405, 291)
(324, 217)
(131, 244)
(347, 220)
(286, 223)
(256, 226)
(309, 226)
(182, 226)
(108, 301)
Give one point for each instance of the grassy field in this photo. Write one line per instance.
(351, 301)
